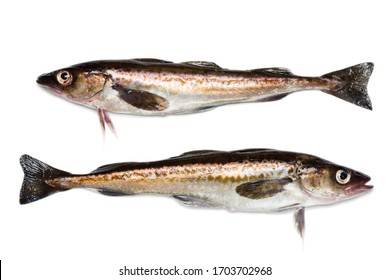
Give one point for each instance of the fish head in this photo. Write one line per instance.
(73, 83)
(331, 183)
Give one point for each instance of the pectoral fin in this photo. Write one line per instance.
(263, 188)
(142, 99)
(299, 221)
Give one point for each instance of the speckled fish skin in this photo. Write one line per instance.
(220, 179)
(158, 87)
(260, 180)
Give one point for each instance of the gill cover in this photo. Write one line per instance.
(85, 85)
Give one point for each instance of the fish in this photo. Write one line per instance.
(151, 87)
(252, 180)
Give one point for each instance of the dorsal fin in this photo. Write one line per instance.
(252, 151)
(274, 71)
(113, 166)
(198, 153)
(207, 64)
(152, 60)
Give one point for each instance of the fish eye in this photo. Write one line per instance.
(64, 77)
(343, 176)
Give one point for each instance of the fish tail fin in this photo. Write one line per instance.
(353, 82)
(36, 173)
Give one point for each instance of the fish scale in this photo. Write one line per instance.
(211, 172)
(152, 87)
(259, 180)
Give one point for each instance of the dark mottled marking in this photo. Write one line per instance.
(263, 188)
(218, 157)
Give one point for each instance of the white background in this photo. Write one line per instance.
(83, 235)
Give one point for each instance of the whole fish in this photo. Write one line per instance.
(261, 180)
(159, 87)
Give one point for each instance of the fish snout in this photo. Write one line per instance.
(363, 179)
(358, 184)
(45, 79)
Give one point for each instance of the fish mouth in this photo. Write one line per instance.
(360, 186)
(364, 188)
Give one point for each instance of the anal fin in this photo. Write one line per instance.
(112, 193)
(194, 201)
(274, 97)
